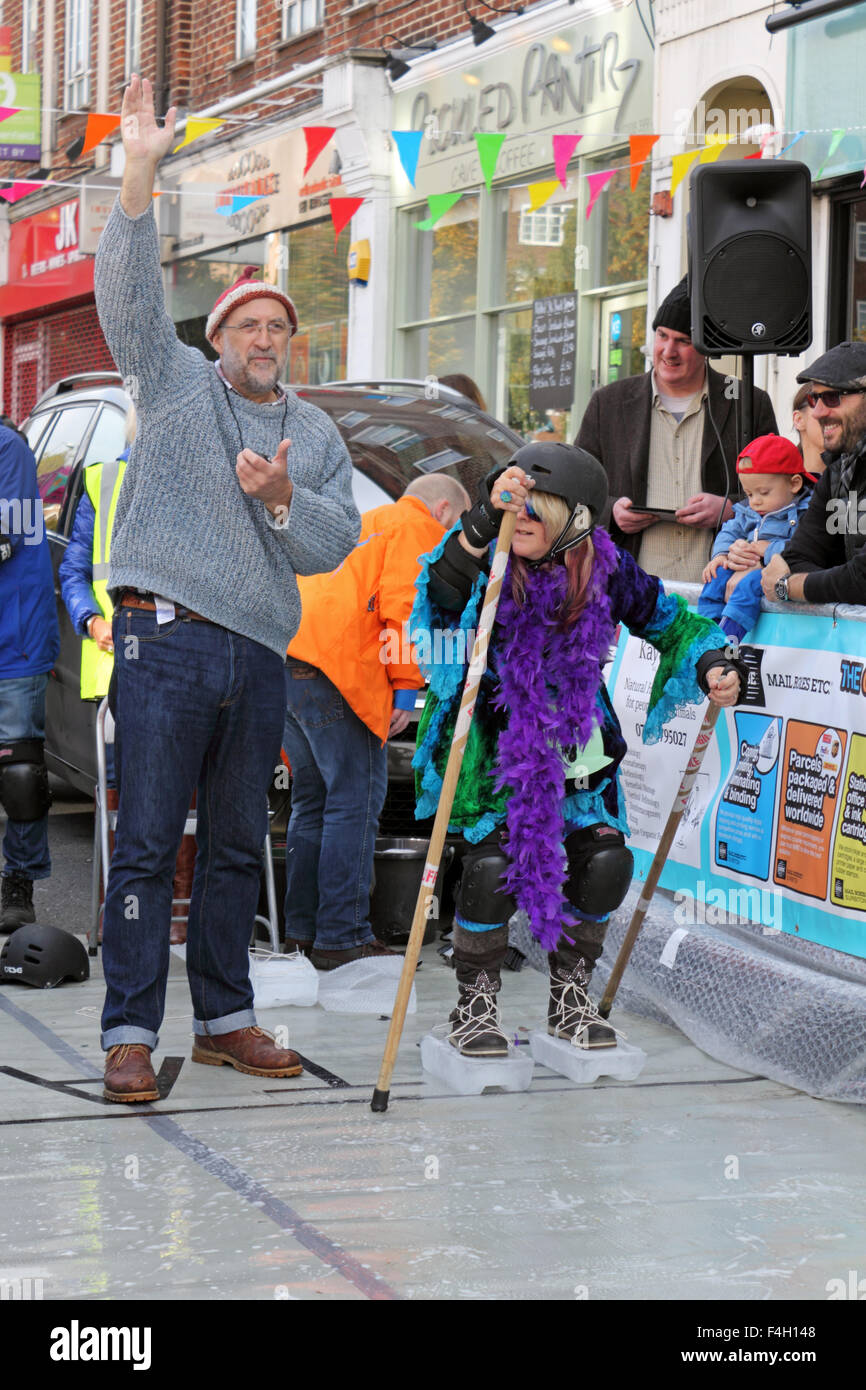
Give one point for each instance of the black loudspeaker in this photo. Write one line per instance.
(750, 257)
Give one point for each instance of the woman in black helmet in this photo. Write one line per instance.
(538, 800)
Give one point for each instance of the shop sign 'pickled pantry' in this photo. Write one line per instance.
(598, 73)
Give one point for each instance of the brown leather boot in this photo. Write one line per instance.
(251, 1050)
(332, 960)
(129, 1075)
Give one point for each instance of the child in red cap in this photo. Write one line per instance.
(773, 477)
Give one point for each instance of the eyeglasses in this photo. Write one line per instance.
(831, 399)
(250, 327)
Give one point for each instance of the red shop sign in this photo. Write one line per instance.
(45, 264)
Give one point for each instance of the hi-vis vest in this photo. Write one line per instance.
(102, 481)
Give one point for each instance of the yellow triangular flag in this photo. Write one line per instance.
(713, 148)
(540, 192)
(196, 126)
(681, 164)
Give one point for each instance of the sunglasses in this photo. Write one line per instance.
(832, 399)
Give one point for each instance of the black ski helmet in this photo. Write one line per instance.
(42, 956)
(570, 473)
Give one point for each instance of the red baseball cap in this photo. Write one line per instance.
(771, 453)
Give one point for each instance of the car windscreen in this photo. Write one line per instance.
(395, 438)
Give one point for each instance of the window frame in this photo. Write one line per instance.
(132, 39)
(76, 81)
(29, 34)
(245, 8)
(297, 6)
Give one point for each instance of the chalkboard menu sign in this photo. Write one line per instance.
(551, 361)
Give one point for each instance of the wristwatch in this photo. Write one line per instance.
(782, 588)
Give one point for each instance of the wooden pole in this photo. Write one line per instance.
(477, 667)
(702, 742)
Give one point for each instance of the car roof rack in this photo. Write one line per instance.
(418, 387)
(70, 383)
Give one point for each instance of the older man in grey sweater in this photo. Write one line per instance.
(233, 487)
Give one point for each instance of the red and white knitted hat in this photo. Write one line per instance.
(240, 292)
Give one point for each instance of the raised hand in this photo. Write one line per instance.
(143, 140)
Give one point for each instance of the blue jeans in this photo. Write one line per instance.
(744, 605)
(197, 706)
(22, 715)
(339, 780)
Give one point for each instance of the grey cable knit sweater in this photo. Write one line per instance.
(183, 528)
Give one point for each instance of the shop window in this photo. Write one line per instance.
(245, 29)
(302, 262)
(444, 263)
(300, 15)
(440, 349)
(619, 226)
(846, 308)
(77, 83)
(536, 250)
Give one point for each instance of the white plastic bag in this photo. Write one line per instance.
(279, 979)
(365, 986)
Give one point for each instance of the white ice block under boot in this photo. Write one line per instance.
(584, 1064)
(469, 1076)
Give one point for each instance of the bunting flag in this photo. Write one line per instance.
(19, 189)
(680, 166)
(563, 148)
(639, 147)
(713, 148)
(540, 192)
(342, 212)
(197, 126)
(488, 153)
(597, 183)
(439, 204)
(408, 144)
(317, 137)
(236, 203)
(98, 128)
(7, 111)
(834, 145)
(791, 143)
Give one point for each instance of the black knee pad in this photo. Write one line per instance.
(482, 896)
(600, 869)
(24, 793)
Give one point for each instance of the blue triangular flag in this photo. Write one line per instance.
(409, 148)
(236, 204)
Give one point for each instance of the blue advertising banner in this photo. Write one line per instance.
(775, 827)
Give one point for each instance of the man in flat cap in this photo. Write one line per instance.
(825, 559)
(668, 440)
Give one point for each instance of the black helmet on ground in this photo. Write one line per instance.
(570, 473)
(42, 956)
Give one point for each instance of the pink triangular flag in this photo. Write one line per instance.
(317, 137)
(7, 111)
(563, 148)
(19, 189)
(597, 183)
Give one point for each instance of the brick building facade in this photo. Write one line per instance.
(199, 54)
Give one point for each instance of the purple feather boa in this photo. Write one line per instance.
(549, 680)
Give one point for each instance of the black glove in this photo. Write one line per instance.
(724, 659)
(482, 523)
